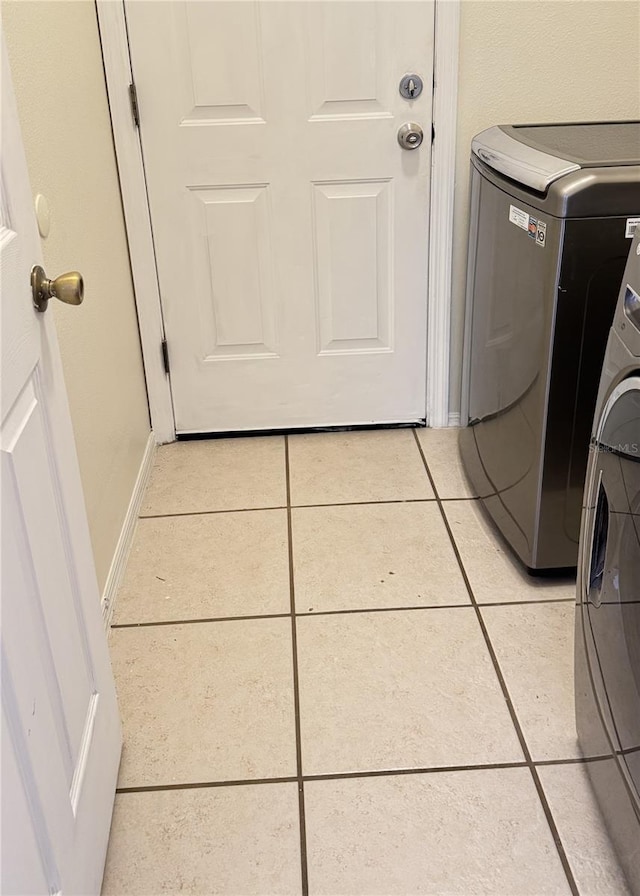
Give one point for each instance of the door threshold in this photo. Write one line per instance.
(297, 430)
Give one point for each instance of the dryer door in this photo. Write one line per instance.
(612, 573)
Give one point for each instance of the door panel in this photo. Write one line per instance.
(353, 285)
(29, 483)
(350, 78)
(291, 229)
(31, 869)
(235, 281)
(220, 57)
(60, 722)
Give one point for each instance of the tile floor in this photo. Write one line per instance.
(334, 680)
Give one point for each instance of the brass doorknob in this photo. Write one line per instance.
(68, 288)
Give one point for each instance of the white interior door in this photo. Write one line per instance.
(60, 724)
(291, 229)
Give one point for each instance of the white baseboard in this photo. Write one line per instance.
(454, 419)
(121, 554)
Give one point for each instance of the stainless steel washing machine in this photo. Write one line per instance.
(553, 209)
(607, 643)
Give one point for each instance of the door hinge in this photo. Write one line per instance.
(165, 355)
(433, 132)
(133, 99)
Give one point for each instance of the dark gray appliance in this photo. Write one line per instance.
(553, 210)
(607, 643)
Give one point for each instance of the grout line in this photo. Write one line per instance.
(365, 503)
(161, 516)
(203, 785)
(579, 760)
(629, 750)
(200, 621)
(372, 773)
(428, 770)
(505, 692)
(469, 606)
(296, 688)
(383, 610)
(349, 612)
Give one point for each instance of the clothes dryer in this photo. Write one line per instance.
(607, 642)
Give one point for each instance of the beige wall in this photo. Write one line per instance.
(57, 71)
(520, 60)
(530, 61)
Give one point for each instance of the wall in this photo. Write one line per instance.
(58, 78)
(532, 61)
(520, 60)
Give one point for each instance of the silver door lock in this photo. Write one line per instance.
(411, 87)
(410, 135)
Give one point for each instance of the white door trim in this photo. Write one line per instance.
(117, 66)
(443, 162)
(133, 187)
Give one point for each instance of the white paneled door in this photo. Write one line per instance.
(60, 721)
(291, 228)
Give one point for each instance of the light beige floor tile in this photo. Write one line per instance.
(375, 465)
(373, 555)
(440, 448)
(582, 831)
(406, 689)
(466, 833)
(217, 474)
(224, 840)
(208, 565)
(494, 574)
(205, 701)
(534, 648)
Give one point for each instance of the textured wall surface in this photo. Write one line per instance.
(535, 61)
(58, 78)
(520, 60)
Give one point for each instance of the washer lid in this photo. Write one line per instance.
(517, 161)
(590, 144)
(537, 154)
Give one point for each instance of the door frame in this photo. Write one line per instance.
(126, 136)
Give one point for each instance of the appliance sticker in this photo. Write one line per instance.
(541, 234)
(630, 230)
(533, 227)
(518, 217)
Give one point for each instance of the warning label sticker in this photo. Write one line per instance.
(533, 227)
(518, 217)
(541, 234)
(630, 229)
